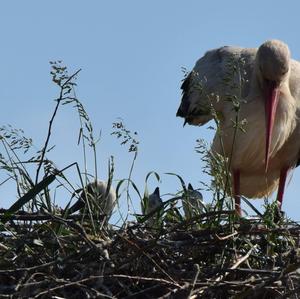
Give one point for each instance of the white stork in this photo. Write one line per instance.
(97, 194)
(269, 98)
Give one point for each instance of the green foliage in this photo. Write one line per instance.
(125, 135)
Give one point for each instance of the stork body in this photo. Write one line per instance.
(269, 97)
(99, 197)
(153, 203)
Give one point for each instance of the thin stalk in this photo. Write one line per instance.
(19, 162)
(95, 160)
(127, 188)
(51, 123)
(12, 167)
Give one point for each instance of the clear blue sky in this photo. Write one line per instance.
(131, 54)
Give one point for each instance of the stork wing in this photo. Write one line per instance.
(220, 66)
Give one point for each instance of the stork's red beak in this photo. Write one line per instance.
(272, 95)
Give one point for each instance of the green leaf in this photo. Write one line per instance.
(30, 195)
(132, 184)
(154, 173)
(180, 178)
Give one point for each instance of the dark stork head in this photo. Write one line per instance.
(194, 107)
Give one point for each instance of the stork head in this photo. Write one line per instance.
(194, 194)
(154, 201)
(194, 107)
(273, 64)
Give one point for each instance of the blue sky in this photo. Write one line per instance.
(131, 54)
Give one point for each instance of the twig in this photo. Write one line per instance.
(82, 232)
(244, 258)
(40, 217)
(28, 269)
(240, 261)
(251, 271)
(72, 284)
(194, 280)
(85, 280)
(150, 258)
(227, 237)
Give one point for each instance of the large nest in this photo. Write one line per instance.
(181, 247)
(53, 257)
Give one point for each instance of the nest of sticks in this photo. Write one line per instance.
(47, 256)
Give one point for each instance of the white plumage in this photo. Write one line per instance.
(269, 147)
(100, 199)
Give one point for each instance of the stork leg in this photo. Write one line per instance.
(236, 191)
(282, 180)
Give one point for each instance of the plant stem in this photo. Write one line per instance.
(51, 123)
